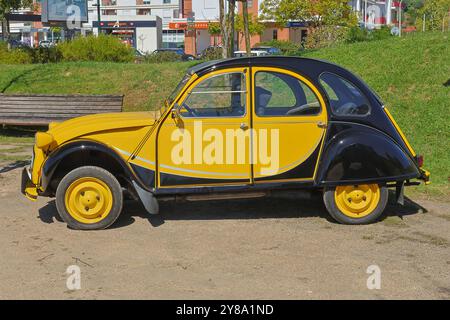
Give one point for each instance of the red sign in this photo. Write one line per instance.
(183, 25)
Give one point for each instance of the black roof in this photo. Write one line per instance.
(306, 66)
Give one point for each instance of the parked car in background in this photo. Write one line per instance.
(253, 53)
(46, 44)
(179, 51)
(269, 50)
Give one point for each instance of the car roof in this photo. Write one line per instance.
(302, 65)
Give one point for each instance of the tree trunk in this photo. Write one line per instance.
(223, 28)
(230, 23)
(246, 31)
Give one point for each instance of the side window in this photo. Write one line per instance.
(223, 95)
(278, 94)
(345, 98)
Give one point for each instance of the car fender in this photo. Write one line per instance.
(356, 153)
(83, 148)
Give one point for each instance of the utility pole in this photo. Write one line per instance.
(365, 14)
(400, 19)
(424, 22)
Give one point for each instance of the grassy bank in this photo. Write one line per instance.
(411, 76)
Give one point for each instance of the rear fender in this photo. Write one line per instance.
(356, 153)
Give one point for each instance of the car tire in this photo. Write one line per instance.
(89, 198)
(356, 204)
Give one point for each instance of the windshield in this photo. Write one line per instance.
(168, 102)
(178, 89)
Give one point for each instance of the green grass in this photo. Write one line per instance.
(408, 74)
(145, 86)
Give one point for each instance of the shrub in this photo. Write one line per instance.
(14, 56)
(357, 34)
(160, 57)
(212, 53)
(103, 48)
(325, 36)
(379, 34)
(45, 55)
(286, 47)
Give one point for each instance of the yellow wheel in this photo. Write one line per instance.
(357, 201)
(356, 204)
(89, 198)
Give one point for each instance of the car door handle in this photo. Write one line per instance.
(243, 126)
(321, 124)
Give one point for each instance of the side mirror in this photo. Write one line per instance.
(175, 111)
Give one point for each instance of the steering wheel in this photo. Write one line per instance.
(191, 111)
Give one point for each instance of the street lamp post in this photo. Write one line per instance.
(99, 17)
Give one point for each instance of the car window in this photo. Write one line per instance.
(345, 98)
(278, 94)
(223, 95)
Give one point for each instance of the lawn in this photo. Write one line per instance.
(410, 74)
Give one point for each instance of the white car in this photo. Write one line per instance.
(253, 53)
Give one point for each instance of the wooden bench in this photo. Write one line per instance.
(39, 109)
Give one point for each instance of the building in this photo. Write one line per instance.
(376, 13)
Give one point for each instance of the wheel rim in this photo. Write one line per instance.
(88, 200)
(357, 201)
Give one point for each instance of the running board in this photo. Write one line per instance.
(214, 196)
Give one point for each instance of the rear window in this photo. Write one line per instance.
(345, 98)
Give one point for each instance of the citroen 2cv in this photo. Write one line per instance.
(232, 128)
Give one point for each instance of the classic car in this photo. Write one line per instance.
(232, 128)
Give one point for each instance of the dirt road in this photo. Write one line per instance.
(261, 248)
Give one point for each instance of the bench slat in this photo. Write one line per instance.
(40, 109)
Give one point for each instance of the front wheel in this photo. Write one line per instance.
(356, 204)
(89, 198)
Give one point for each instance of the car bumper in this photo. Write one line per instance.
(27, 188)
(425, 176)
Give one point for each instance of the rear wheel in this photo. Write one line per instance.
(89, 198)
(356, 204)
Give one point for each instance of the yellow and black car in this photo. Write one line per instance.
(231, 128)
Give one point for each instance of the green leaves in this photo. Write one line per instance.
(317, 13)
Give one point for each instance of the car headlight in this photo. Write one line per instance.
(43, 139)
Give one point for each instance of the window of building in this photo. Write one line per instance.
(143, 12)
(275, 34)
(344, 97)
(172, 38)
(223, 95)
(279, 94)
(166, 1)
(147, 2)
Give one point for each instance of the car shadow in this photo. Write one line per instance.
(14, 165)
(287, 206)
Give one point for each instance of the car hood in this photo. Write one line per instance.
(95, 123)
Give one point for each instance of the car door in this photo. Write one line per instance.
(289, 122)
(206, 141)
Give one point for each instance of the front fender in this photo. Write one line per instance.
(82, 148)
(357, 153)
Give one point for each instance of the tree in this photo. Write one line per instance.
(315, 13)
(435, 11)
(246, 27)
(254, 26)
(7, 6)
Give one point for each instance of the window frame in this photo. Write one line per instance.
(329, 100)
(299, 78)
(189, 92)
